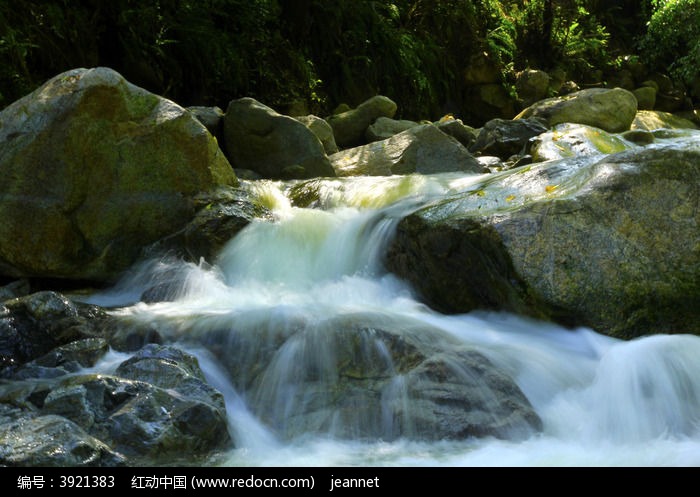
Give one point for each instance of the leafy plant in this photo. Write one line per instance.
(672, 41)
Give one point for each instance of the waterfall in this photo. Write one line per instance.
(325, 358)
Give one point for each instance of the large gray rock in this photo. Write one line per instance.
(609, 109)
(422, 149)
(366, 376)
(504, 138)
(273, 145)
(608, 243)
(95, 168)
(349, 127)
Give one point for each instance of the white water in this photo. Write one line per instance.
(602, 401)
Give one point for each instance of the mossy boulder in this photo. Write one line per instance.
(650, 120)
(610, 109)
(609, 243)
(95, 168)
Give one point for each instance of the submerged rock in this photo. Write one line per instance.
(421, 149)
(568, 140)
(608, 243)
(95, 168)
(610, 109)
(366, 376)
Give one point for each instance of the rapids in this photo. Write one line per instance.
(277, 284)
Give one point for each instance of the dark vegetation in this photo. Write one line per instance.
(319, 53)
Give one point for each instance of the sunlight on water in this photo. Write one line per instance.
(263, 319)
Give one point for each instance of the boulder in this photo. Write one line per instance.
(650, 120)
(273, 145)
(423, 149)
(607, 243)
(504, 138)
(609, 109)
(349, 127)
(322, 130)
(575, 140)
(94, 169)
(385, 127)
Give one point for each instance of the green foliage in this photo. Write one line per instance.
(672, 41)
(323, 52)
(559, 33)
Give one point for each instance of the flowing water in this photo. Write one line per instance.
(259, 321)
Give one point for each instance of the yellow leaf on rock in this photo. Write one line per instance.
(551, 188)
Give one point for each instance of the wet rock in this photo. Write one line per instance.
(575, 140)
(607, 243)
(504, 138)
(33, 326)
(52, 441)
(220, 215)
